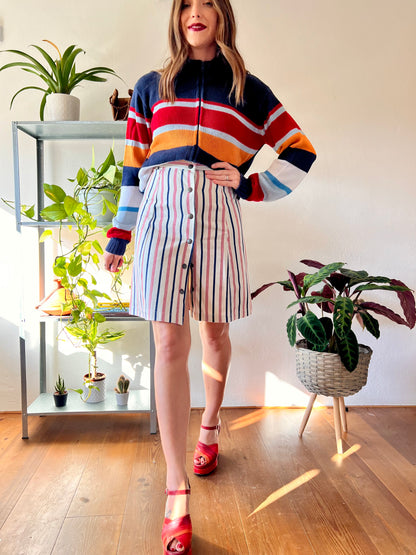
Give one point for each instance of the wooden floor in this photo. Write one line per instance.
(94, 485)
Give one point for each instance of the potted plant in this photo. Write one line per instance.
(329, 359)
(60, 395)
(59, 79)
(73, 266)
(98, 189)
(122, 391)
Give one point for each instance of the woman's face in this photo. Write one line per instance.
(199, 25)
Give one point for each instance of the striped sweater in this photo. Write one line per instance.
(204, 126)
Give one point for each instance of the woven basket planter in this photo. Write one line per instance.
(324, 373)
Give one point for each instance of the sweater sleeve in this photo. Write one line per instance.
(295, 156)
(137, 145)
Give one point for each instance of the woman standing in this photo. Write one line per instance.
(192, 133)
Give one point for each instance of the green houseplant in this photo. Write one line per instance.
(339, 295)
(98, 189)
(61, 394)
(59, 76)
(74, 268)
(122, 390)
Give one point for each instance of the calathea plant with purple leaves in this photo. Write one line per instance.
(338, 293)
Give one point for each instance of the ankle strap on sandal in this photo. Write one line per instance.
(178, 491)
(217, 427)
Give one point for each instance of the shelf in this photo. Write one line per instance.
(67, 130)
(138, 402)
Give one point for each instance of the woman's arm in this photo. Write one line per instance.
(138, 139)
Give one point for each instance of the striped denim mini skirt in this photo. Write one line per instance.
(189, 249)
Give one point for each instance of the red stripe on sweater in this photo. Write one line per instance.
(119, 234)
(257, 194)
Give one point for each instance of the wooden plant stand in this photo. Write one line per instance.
(340, 419)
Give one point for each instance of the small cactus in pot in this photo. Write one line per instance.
(122, 390)
(61, 394)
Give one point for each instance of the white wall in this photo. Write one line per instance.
(344, 70)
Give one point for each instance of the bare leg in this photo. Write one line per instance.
(173, 343)
(216, 356)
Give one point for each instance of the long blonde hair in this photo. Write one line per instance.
(179, 50)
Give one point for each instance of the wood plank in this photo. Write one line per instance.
(103, 487)
(276, 528)
(397, 425)
(36, 519)
(145, 503)
(94, 535)
(19, 460)
(390, 467)
(214, 500)
(329, 523)
(389, 526)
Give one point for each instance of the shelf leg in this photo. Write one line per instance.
(22, 345)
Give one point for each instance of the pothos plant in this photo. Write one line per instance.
(340, 295)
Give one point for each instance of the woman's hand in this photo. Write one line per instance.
(112, 262)
(225, 174)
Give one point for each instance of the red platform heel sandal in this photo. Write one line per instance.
(208, 452)
(179, 529)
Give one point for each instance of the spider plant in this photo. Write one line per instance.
(58, 76)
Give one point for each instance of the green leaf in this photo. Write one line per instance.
(348, 350)
(97, 247)
(54, 192)
(45, 234)
(99, 317)
(312, 279)
(313, 299)
(343, 314)
(370, 323)
(328, 326)
(58, 271)
(29, 212)
(291, 329)
(82, 177)
(71, 205)
(312, 330)
(54, 213)
(75, 266)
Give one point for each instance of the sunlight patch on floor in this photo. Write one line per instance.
(340, 457)
(248, 419)
(284, 490)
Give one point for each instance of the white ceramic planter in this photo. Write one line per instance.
(62, 107)
(122, 399)
(94, 200)
(95, 395)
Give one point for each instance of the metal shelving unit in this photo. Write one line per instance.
(139, 400)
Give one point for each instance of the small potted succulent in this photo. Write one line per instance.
(329, 359)
(122, 391)
(59, 78)
(60, 395)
